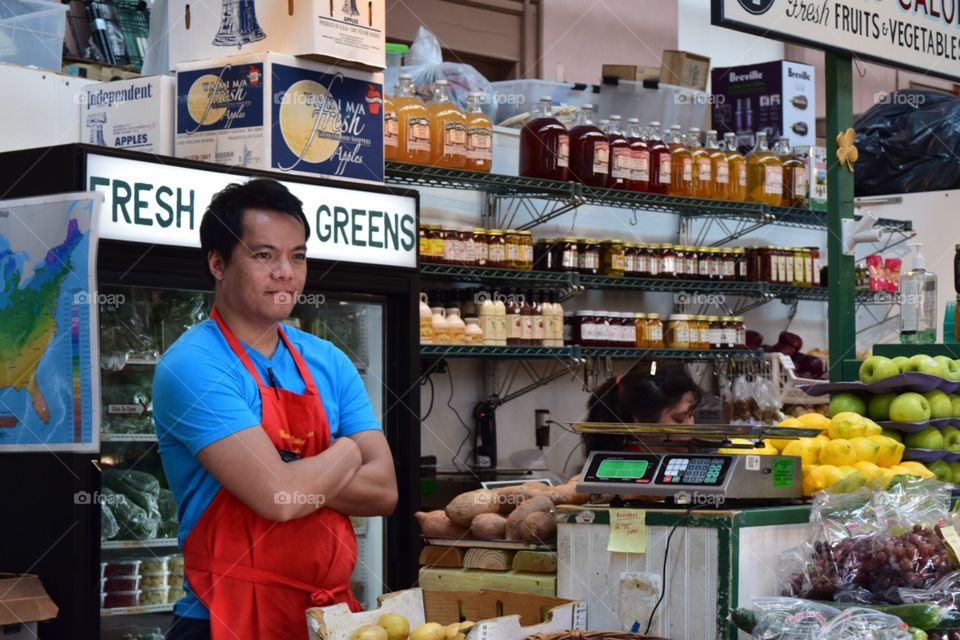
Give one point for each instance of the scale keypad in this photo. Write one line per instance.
(679, 470)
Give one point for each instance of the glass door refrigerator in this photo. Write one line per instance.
(113, 572)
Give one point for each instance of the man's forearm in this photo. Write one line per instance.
(371, 492)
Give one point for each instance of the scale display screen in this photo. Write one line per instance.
(622, 469)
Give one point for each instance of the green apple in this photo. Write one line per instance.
(955, 470)
(902, 363)
(951, 438)
(840, 402)
(877, 368)
(925, 364)
(951, 371)
(909, 407)
(942, 470)
(940, 405)
(893, 435)
(878, 408)
(929, 438)
(955, 404)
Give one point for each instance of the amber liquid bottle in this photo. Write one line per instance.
(681, 179)
(391, 129)
(738, 169)
(719, 167)
(619, 177)
(413, 124)
(702, 168)
(544, 145)
(448, 143)
(764, 174)
(794, 175)
(479, 153)
(640, 156)
(661, 169)
(589, 150)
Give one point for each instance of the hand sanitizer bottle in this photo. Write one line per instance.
(918, 303)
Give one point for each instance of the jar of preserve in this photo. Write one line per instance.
(640, 330)
(656, 259)
(815, 270)
(644, 258)
(612, 258)
(628, 330)
(630, 255)
(740, 340)
(693, 340)
(526, 251)
(481, 246)
(714, 332)
(496, 249)
(668, 262)
(681, 260)
(654, 331)
(568, 328)
(753, 260)
(604, 330)
(567, 254)
(678, 331)
(512, 247)
(768, 266)
(691, 264)
(423, 248)
(543, 254)
(728, 333)
(703, 263)
(466, 248)
(588, 262)
(703, 324)
(728, 265)
(449, 239)
(740, 264)
(584, 328)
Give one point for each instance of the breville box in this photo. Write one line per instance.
(342, 31)
(684, 69)
(272, 111)
(631, 72)
(777, 97)
(23, 603)
(130, 114)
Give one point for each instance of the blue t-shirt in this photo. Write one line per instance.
(202, 393)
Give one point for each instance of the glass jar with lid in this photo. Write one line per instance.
(740, 333)
(640, 330)
(496, 249)
(482, 246)
(525, 261)
(543, 254)
(512, 247)
(728, 332)
(589, 256)
(654, 335)
(566, 254)
(644, 257)
(668, 261)
(678, 331)
(714, 333)
(466, 248)
(681, 261)
(612, 259)
(692, 263)
(584, 328)
(602, 321)
(449, 237)
(740, 264)
(630, 254)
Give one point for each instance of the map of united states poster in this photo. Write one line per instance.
(49, 387)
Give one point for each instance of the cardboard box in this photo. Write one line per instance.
(271, 111)
(817, 173)
(631, 72)
(684, 69)
(777, 97)
(499, 615)
(23, 603)
(341, 31)
(130, 114)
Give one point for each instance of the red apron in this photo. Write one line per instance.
(256, 576)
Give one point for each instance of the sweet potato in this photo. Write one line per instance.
(539, 527)
(567, 494)
(490, 526)
(467, 506)
(436, 524)
(531, 489)
(531, 505)
(508, 498)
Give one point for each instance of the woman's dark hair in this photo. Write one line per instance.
(222, 224)
(637, 396)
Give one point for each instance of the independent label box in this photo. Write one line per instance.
(272, 111)
(129, 114)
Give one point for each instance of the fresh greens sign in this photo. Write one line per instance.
(923, 35)
(162, 204)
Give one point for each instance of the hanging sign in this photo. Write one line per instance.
(922, 35)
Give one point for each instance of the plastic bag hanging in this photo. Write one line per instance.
(425, 65)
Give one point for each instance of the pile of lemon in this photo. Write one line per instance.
(850, 452)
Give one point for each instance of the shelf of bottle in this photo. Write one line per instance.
(136, 611)
(439, 177)
(658, 284)
(485, 274)
(138, 544)
(823, 294)
(575, 351)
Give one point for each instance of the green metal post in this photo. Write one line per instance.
(841, 317)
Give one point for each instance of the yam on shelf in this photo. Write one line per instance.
(489, 526)
(436, 524)
(539, 526)
(467, 506)
(530, 505)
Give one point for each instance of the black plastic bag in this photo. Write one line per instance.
(909, 141)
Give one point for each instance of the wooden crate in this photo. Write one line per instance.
(684, 69)
(500, 615)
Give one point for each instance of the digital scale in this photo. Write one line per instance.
(698, 477)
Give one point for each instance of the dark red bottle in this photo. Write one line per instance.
(544, 145)
(620, 158)
(640, 154)
(660, 161)
(589, 151)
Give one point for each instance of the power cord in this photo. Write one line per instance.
(432, 394)
(456, 456)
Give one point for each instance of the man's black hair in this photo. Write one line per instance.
(222, 224)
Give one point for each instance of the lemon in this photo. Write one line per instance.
(867, 450)
(852, 479)
(831, 474)
(873, 429)
(890, 451)
(847, 425)
(838, 453)
(806, 448)
(814, 420)
(813, 479)
(396, 626)
(884, 477)
(869, 470)
(791, 423)
(917, 469)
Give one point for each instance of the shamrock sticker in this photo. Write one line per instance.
(847, 153)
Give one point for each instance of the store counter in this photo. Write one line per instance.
(718, 560)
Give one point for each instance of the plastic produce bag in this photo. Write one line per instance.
(909, 142)
(857, 624)
(790, 618)
(132, 519)
(108, 523)
(169, 525)
(425, 64)
(945, 592)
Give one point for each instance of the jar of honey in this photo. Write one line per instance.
(640, 330)
(525, 261)
(612, 259)
(482, 246)
(678, 331)
(513, 248)
(654, 335)
(496, 249)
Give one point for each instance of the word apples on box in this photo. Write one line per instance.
(343, 31)
(132, 114)
(272, 111)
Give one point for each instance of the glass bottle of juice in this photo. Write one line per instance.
(794, 175)
(413, 124)
(620, 165)
(764, 173)
(544, 145)
(719, 167)
(738, 168)
(681, 180)
(702, 167)
(640, 154)
(661, 169)
(589, 150)
(448, 143)
(390, 129)
(479, 152)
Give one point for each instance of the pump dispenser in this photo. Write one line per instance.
(918, 302)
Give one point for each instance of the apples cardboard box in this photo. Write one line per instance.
(23, 603)
(132, 114)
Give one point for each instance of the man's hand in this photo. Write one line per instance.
(373, 489)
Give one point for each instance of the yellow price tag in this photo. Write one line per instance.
(628, 531)
(952, 538)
